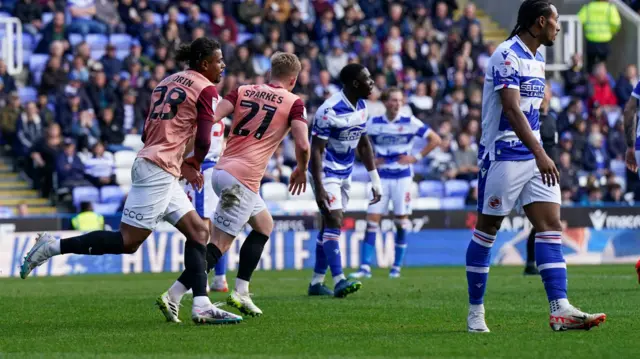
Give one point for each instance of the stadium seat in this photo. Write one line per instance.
(181, 18)
(110, 194)
(75, 39)
(124, 159)
(358, 205)
(358, 191)
(123, 176)
(456, 188)
(37, 62)
(359, 173)
(97, 54)
(28, 41)
(97, 41)
(120, 41)
(274, 191)
(133, 141)
(431, 189)
(415, 190)
(27, 94)
(244, 37)
(452, 203)
(106, 208)
(4, 14)
(425, 203)
(618, 168)
(157, 19)
(304, 196)
(47, 17)
(85, 194)
(205, 18)
(122, 54)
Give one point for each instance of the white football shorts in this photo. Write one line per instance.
(396, 191)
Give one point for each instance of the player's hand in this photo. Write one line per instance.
(377, 194)
(630, 160)
(548, 170)
(298, 182)
(407, 160)
(192, 175)
(322, 199)
(193, 163)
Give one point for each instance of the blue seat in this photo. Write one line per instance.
(4, 14)
(97, 54)
(456, 188)
(205, 18)
(37, 62)
(431, 189)
(157, 19)
(27, 94)
(111, 194)
(181, 18)
(47, 17)
(28, 41)
(75, 39)
(106, 208)
(85, 194)
(452, 203)
(618, 168)
(120, 41)
(97, 41)
(359, 173)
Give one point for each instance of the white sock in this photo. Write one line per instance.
(558, 304)
(220, 278)
(242, 286)
(176, 291)
(317, 278)
(338, 278)
(476, 308)
(201, 301)
(54, 248)
(365, 267)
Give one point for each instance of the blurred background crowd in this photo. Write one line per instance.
(93, 64)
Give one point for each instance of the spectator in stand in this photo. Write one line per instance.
(43, 109)
(304, 88)
(421, 104)
(22, 209)
(441, 20)
(626, 83)
(131, 113)
(602, 91)
(579, 138)
(614, 195)
(325, 87)
(30, 129)
(316, 59)
(68, 112)
(250, 14)
(56, 30)
(82, 17)
(135, 55)
(593, 198)
(86, 130)
(110, 63)
(483, 58)
(336, 61)
(193, 21)
(54, 77)
(434, 66)
(569, 115)
(107, 13)
(576, 81)
(112, 133)
(568, 171)
(100, 94)
(615, 142)
(442, 165)
(262, 62)
(596, 157)
(69, 167)
(548, 126)
(467, 19)
(149, 32)
(30, 14)
(43, 160)
(220, 21)
(466, 158)
(9, 116)
(242, 63)
(99, 167)
(130, 16)
(7, 80)
(325, 30)
(279, 8)
(567, 194)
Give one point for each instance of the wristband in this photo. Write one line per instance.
(375, 178)
(418, 156)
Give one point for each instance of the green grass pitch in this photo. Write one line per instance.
(419, 315)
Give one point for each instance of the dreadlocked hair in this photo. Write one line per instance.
(529, 12)
(197, 50)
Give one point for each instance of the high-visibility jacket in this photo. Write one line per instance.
(88, 221)
(600, 20)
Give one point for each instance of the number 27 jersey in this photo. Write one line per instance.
(178, 102)
(262, 117)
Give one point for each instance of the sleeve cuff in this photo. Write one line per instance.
(635, 95)
(510, 86)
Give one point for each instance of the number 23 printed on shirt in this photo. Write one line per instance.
(254, 108)
(170, 100)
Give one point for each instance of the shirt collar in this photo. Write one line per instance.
(524, 46)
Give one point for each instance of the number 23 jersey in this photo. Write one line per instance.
(262, 117)
(178, 102)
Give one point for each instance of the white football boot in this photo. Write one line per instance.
(168, 307)
(570, 317)
(38, 254)
(243, 303)
(475, 321)
(211, 314)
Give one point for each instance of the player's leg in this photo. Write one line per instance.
(209, 203)
(530, 268)
(250, 253)
(146, 201)
(544, 214)
(317, 286)
(401, 196)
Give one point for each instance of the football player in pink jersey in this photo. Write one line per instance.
(183, 107)
(262, 117)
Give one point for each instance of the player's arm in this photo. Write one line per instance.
(226, 106)
(365, 150)
(630, 113)
(300, 132)
(318, 145)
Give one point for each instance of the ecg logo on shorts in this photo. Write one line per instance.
(218, 219)
(494, 202)
(132, 214)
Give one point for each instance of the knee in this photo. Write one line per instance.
(200, 235)
(403, 224)
(334, 220)
(489, 225)
(551, 226)
(131, 247)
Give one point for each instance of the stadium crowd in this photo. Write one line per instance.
(99, 61)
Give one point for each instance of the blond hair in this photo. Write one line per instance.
(284, 64)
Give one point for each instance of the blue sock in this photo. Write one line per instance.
(369, 245)
(332, 250)
(401, 242)
(321, 259)
(478, 261)
(221, 266)
(551, 264)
